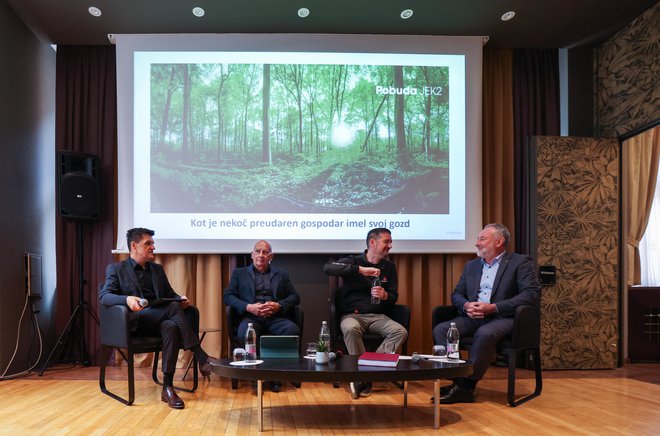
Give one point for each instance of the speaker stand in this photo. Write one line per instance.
(75, 327)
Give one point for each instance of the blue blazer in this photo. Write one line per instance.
(516, 283)
(121, 281)
(240, 291)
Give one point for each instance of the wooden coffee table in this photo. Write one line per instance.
(344, 369)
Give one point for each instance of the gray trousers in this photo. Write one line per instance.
(355, 325)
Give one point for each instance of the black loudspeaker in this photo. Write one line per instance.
(79, 186)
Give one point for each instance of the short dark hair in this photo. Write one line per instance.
(136, 235)
(375, 233)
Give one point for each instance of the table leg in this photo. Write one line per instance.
(260, 402)
(436, 404)
(405, 394)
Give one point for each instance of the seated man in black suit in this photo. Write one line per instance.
(264, 296)
(486, 297)
(138, 278)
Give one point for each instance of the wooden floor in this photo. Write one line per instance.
(68, 401)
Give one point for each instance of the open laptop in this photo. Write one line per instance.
(278, 347)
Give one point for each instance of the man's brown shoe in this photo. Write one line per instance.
(170, 396)
(206, 368)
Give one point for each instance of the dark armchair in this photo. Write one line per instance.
(399, 313)
(525, 338)
(116, 334)
(233, 319)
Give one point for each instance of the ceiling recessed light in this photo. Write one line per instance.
(198, 12)
(94, 11)
(303, 12)
(406, 13)
(508, 15)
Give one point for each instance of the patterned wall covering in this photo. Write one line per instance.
(627, 80)
(577, 232)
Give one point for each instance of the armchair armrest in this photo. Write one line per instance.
(442, 314)
(334, 318)
(401, 314)
(115, 328)
(526, 327)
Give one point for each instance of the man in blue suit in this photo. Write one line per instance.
(139, 278)
(264, 296)
(486, 297)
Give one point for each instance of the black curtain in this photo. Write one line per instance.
(535, 112)
(85, 122)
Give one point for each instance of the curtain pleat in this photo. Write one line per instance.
(536, 112)
(642, 153)
(498, 141)
(85, 122)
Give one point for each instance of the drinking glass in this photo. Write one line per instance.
(311, 349)
(439, 351)
(375, 284)
(239, 354)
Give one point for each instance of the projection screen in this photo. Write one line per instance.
(307, 141)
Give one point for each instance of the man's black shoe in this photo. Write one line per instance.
(458, 394)
(359, 389)
(444, 390)
(205, 368)
(275, 386)
(170, 396)
(366, 390)
(296, 384)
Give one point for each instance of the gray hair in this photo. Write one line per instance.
(501, 231)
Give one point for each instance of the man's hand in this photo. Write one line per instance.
(184, 302)
(478, 310)
(368, 271)
(271, 308)
(133, 303)
(379, 292)
(264, 310)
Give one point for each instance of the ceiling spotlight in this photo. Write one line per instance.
(508, 15)
(198, 12)
(406, 13)
(303, 12)
(94, 11)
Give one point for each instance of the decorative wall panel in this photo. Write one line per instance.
(577, 231)
(627, 80)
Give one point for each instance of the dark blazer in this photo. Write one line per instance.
(516, 283)
(121, 281)
(240, 291)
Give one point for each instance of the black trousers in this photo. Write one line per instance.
(177, 328)
(486, 334)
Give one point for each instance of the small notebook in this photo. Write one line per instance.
(279, 347)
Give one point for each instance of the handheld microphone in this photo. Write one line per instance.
(143, 302)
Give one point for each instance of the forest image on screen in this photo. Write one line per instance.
(299, 138)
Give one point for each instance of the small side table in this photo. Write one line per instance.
(203, 333)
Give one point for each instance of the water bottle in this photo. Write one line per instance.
(452, 342)
(250, 344)
(324, 335)
(375, 284)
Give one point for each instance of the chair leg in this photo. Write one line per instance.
(511, 389)
(234, 383)
(536, 356)
(104, 354)
(154, 375)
